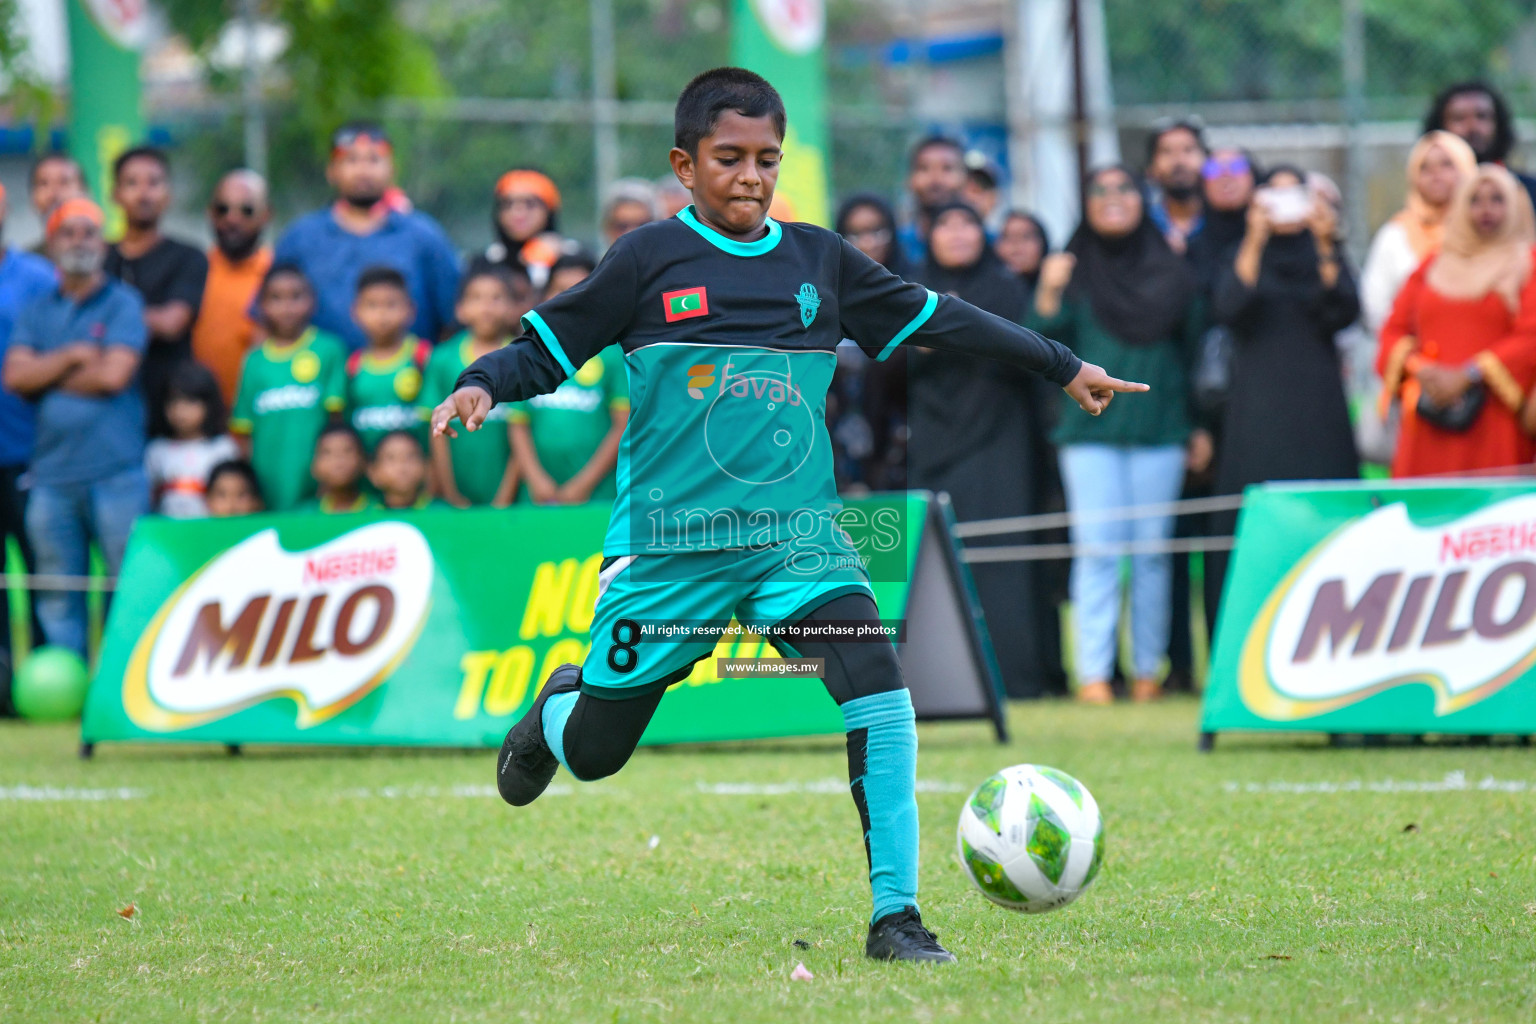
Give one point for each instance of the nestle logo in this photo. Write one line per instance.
(349, 565)
(1490, 541)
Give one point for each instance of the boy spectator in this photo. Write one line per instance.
(398, 472)
(566, 443)
(292, 385)
(478, 468)
(935, 175)
(55, 177)
(74, 352)
(332, 246)
(237, 262)
(1176, 154)
(337, 468)
(384, 380)
(167, 273)
(233, 490)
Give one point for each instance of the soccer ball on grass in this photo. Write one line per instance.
(1031, 838)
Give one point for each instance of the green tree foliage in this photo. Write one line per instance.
(1208, 50)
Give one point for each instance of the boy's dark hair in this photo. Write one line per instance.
(194, 381)
(237, 467)
(285, 269)
(928, 142)
(1504, 124)
(398, 435)
(389, 277)
(491, 271)
(140, 152)
(347, 430)
(714, 92)
(577, 260)
(52, 157)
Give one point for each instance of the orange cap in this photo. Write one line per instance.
(2, 193)
(530, 183)
(79, 206)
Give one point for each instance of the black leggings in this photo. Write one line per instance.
(601, 734)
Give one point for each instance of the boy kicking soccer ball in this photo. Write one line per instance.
(728, 322)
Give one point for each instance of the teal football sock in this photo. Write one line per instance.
(557, 711)
(882, 773)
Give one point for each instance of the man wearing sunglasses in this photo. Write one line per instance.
(237, 261)
(1175, 154)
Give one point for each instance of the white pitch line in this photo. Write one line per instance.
(819, 786)
(1453, 782)
(53, 794)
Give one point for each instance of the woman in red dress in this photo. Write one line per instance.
(1463, 332)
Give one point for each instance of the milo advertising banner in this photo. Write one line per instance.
(1401, 608)
(436, 628)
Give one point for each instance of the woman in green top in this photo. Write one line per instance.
(1120, 296)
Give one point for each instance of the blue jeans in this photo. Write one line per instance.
(1099, 477)
(62, 520)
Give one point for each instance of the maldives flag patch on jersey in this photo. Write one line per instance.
(685, 304)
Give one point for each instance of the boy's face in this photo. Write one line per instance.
(565, 280)
(486, 308)
(338, 462)
(286, 305)
(231, 495)
(733, 176)
(383, 312)
(399, 468)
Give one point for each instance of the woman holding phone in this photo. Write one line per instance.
(1284, 296)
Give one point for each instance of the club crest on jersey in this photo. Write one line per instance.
(685, 304)
(809, 301)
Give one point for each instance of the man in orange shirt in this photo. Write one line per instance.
(238, 261)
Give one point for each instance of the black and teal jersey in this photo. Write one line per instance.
(729, 348)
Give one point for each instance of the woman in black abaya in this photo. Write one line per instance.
(972, 434)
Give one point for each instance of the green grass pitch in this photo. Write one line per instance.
(1274, 880)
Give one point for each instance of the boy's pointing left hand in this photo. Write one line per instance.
(1092, 388)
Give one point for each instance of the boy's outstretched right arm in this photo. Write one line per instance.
(558, 337)
(512, 373)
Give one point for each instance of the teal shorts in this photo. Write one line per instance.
(658, 614)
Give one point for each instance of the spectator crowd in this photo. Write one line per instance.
(148, 375)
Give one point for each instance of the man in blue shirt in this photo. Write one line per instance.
(362, 230)
(75, 352)
(23, 277)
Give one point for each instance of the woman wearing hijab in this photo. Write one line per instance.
(1284, 295)
(970, 435)
(1459, 348)
(1437, 164)
(1120, 293)
(527, 205)
(1022, 246)
(867, 407)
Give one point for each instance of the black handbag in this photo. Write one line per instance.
(1457, 417)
